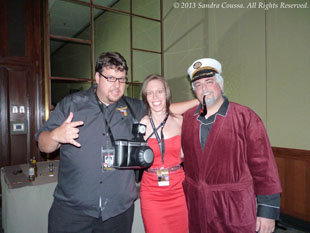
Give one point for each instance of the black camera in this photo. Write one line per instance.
(133, 153)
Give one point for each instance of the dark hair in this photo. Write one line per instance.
(167, 90)
(112, 60)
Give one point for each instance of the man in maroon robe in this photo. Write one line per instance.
(231, 183)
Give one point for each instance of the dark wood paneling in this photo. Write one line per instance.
(34, 29)
(294, 171)
(4, 123)
(16, 28)
(19, 91)
(3, 28)
(21, 84)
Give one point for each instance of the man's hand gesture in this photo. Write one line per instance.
(68, 131)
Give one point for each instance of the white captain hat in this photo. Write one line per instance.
(203, 68)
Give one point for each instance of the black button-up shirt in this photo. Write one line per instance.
(82, 184)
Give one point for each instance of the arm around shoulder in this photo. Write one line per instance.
(182, 107)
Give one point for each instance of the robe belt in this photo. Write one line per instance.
(204, 191)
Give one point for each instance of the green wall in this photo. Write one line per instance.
(264, 54)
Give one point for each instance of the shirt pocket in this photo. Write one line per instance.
(121, 128)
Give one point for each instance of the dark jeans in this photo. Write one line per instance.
(65, 219)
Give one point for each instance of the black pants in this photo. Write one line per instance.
(65, 219)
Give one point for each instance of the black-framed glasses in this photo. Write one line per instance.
(113, 79)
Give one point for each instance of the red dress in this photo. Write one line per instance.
(164, 207)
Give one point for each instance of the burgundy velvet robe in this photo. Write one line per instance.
(222, 182)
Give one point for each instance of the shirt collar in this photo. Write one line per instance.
(222, 111)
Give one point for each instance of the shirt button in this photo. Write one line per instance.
(100, 182)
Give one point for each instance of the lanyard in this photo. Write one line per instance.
(100, 104)
(161, 142)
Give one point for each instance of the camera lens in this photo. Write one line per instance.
(148, 156)
(145, 156)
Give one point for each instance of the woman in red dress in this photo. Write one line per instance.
(163, 204)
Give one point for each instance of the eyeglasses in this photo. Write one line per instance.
(113, 79)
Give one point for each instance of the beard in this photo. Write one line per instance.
(210, 99)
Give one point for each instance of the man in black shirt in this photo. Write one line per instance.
(91, 196)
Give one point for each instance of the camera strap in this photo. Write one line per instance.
(161, 141)
(100, 104)
(106, 121)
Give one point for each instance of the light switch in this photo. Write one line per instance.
(14, 109)
(21, 109)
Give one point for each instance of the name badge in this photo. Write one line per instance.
(163, 177)
(107, 159)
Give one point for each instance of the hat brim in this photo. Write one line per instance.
(206, 73)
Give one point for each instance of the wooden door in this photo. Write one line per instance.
(21, 80)
(18, 102)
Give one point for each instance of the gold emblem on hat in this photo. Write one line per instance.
(197, 65)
